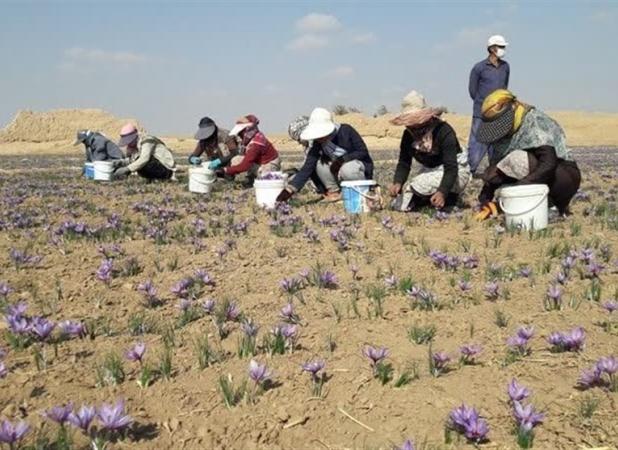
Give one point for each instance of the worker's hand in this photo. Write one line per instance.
(394, 190)
(285, 195)
(437, 200)
(117, 163)
(121, 173)
(487, 211)
(335, 166)
(195, 160)
(215, 164)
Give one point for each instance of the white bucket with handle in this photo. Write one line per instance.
(360, 196)
(525, 206)
(103, 170)
(267, 190)
(201, 179)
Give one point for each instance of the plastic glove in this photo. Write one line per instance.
(335, 166)
(195, 160)
(121, 173)
(117, 163)
(285, 195)
(487, 211)
(215, 164)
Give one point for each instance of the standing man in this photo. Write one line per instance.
(486, 76)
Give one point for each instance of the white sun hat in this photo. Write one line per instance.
(497, 40)
(321, 124)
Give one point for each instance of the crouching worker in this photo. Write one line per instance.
(529, 148)
(337, 153)
(258, 153)
(433, 143)
(295, 128)
(214, 145)
(147, 155)
(97, 146)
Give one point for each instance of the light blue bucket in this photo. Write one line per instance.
(357, 196)
(89, 171)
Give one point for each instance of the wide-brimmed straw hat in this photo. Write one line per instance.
(415, 110)
(321, 124)
(498, 116)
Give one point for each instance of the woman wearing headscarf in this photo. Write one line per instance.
(529, 148)
(260, 156)
(214, 145)
(295, 129)
(337, 153)
(432, 142)
(97, 146)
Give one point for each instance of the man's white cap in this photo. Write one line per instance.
(320, 124)
(497, 40)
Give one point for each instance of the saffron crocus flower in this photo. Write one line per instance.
(288, 331)
(610, 306)
(232, 312)
(469, 352)
(407, 445)
(208, 306)
(608, 365)
(554, 293)
(5, 289)
(17, 310)
(18, 324)
(575, 339)
(249, 328)
(525, 272)
(287, 313)
(113, 417)
(105, 271)
(148, 290)
(290, 285)
(590, 378)
(41, 328)
(470, 261)
(467, 421)
(594, 269)
(185, 304)
(562, 278)
(328, 279)
(464, 285)
(525, 332)
(3, 370)
(391, 281)
(527, 417)
(440, 361)
(181, 289)
(517, 392)
(204, 277)
(375, 354)
(568, 263)
(259, 373)
(492, 290)
(12, 433)
(82, 418)
(59, 414)
(136, 353)
(72, 329)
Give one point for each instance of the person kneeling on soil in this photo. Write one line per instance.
(148, 156)
(97, 146)
(259, 155)
(529, 148)
(338, 153)
(295, 128)
(433, 143)
(215, 143)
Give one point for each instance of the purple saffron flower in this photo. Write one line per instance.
(470, 261)
(590, 378)
(587, 255)
(554, 293)
(407, 445)
(328, 279)
(12, 433)
(136, 353)
(72, 329)
(492, 290)
(517, 392)
(562, 279)
(568, 263)
(184, 304)
(59, 414)
(594, 269)
(82, 418)
(304, 274)
(3, 370)
(527, 417)
(608, 365)
(525, 272)
(18, 324)
(208, 305)
(148, 290)
(288, 331)
(469, 352)
(287, 313)
(232, 312)
(391, 281)
(574, 340)
(113, 417)
(610, 306)
(204, 277)
(313, 367)
(518, 344)
(5, 289)
(259, 373)
(440, 361)
(375, 354)
(41, 328)
(467, 421)
(525, 332)
(181, 289)
(105, 271)
(477, 430)
(464, 285)
(249, 328)
(556, 339)
(17, 310)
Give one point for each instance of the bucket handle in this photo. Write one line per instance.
(522, 212)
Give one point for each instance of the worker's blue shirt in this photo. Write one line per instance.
(486, 78)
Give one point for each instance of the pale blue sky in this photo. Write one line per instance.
(169, 63)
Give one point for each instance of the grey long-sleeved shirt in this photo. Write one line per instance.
(486, 78)
(99, 148)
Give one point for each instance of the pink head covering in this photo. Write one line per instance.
(128, 134)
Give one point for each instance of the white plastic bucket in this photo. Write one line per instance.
(357, 197)
(103, 170)
(89, 171)
(524, 206)
(201, 179)
(267, 191)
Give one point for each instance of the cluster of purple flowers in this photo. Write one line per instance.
(111, 418)
(469, 352)
(272, 176)
(603, 373)
(526, 417)
(466, 420)
(289, 333)
(22, 258)
(341, 237)
(568, 341)
(5, 290)
(105, 272)
(519, 342)
(39, 328)
(492, 290)
(149, 291)
(72, 228)
(12, 433)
